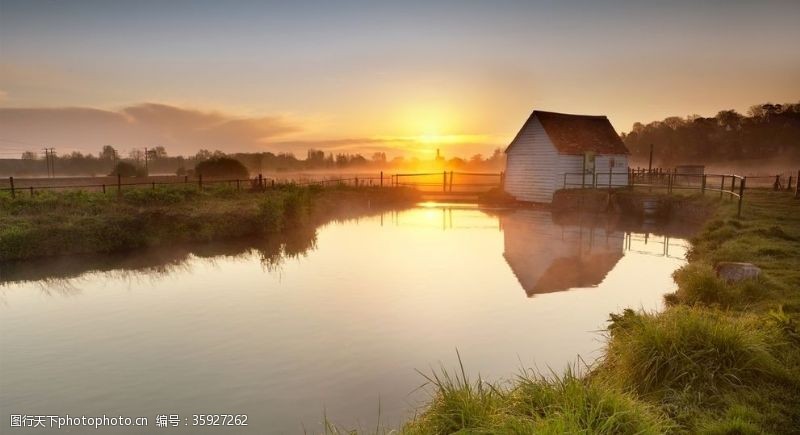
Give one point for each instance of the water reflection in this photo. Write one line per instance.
(54, 274)
(551, 255)
(362, 305)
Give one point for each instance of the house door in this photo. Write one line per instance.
(588, 168)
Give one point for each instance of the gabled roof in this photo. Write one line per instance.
(577, 134)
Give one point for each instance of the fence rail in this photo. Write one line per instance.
(441, 181)
(731, 185)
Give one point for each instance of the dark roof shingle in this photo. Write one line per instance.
(576, 134)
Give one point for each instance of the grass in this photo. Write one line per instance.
(80, 222)
(533, 404)
(721, 359)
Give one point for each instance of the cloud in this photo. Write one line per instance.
(181, 130)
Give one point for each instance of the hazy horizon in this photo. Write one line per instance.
(404, 79)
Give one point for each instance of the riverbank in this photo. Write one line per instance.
(80, 222)
(722, 358)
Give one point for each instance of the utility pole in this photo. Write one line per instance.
(52, 168)
(47, 160)
(650, 165)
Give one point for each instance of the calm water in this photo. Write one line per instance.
(332, 323)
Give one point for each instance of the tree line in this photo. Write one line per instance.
(156, 160)
(767, 131)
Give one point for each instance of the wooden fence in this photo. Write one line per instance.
(730, 185)
(30, 186)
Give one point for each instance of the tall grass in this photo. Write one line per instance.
(532, 403)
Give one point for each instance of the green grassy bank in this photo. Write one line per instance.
(82, 222)
(722, 358)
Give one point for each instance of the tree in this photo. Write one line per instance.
(29, 155)
(157, 153)
(222, 167)
(136, 154)
(203, 154)
(379, 158)
(127, 169)
(108, 153)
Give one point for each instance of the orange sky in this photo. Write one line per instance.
(362, 77)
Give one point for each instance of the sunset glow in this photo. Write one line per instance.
(351, 77)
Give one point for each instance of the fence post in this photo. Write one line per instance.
(381, 178)
(238, 188)
(104, 189)
(703, 186)
(777, 184)
(260, 181)
(741, 195)
(451, 181)
(154, 185)
(31, 191)
(669, 183)
(444, 181)
(185, 179)
(200, 181)
(356, 181)
(722, 186)
(119, 184)
(797, 186)
(13, 193)
(273, 183)
(789, 185)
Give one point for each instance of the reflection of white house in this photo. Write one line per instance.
(546, 257)
(551, 145)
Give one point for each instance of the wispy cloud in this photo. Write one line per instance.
(181, 130)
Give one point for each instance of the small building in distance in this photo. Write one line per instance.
(556, 150)
(689, 174)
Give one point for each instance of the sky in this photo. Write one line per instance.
(399, 77)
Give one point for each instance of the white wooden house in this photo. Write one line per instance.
(556, 150)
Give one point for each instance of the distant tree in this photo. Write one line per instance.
(158, 152)
(108, 153)
(203, 154)
(222, 167)
(315, 157)
(379, 158)
(127, 169)
(768, 131)
(136, 154)
(29, 155)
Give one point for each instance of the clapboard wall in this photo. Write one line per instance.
(531, 165)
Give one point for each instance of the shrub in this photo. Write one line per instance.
(693, 349)
(127, 169)
(222, 167)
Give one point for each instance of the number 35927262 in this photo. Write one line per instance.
(219, 420)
